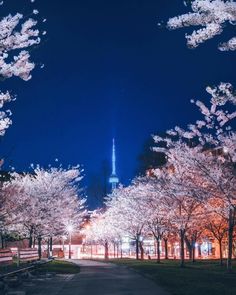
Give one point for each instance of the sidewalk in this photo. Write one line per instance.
(108, 279)
(95, 278)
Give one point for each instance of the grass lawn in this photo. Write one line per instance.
(60, 267)
(205, 277)
(11, 267)
(57, 266)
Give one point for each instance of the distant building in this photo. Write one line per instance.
(113, 180)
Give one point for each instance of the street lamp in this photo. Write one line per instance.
(70, 230)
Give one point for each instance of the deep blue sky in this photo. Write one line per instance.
(109, 71)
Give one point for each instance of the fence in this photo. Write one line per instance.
(6, 256)
(28, 254)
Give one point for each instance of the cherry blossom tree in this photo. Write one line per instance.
(182, 197)
(157, 216)
(213, 133)
(194, 235)
(220, 183)
(209, 148)
(212, 16)
(216, 226)
(101, 231)
(126, 205)
(43, 203)
(17, 35)
(3, 218)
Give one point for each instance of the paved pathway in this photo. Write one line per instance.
(95, 278)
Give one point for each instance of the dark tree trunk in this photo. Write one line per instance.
(221, 254)
(230, 239)
(166, 248)
(189, 246)
(137, 249)
(158, 251)
(50, 243)
(193, 252)
(31, 238)
(48, 248)
(2, 240)
(199, 251)
(106, 250)
(182, 234)
(118, 250)
(114, 246)
(40, 247)
(141, 250)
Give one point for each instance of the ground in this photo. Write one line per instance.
(94, 278)
(202, 277)
(129, 277)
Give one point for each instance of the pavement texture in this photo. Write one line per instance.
(95, 278)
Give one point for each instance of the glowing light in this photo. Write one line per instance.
(113, 178)
(225, 150)
(70, 228)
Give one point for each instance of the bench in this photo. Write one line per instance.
(6, 256)
(28, 254)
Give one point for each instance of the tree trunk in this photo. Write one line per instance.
(50, 246)
(40, 247)
(117, 250)
(31, 238)
(182, 233)
(189, 246)
(2, 240)
(137, 249)
(114, 247)
(158, 251)
(221, 254)
(141, 250)
(193, 252)
(230, 239)
(48, 250)
(199, 251)
(106, 251)
(166, 248)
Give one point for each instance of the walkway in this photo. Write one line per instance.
(108, 279)
(95, 278)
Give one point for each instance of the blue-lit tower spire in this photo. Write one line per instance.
(113, 178)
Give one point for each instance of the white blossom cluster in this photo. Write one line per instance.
(211, 16)
(17, 34)
(214, 128)
(12, 40)
(42, 203)
(5, 120)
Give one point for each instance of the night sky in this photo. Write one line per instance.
(109, 72)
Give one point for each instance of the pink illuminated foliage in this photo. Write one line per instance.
(17, 35)
(204, 155)
(211, 16)
(44, 203)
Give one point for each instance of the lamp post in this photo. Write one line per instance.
(69, 229)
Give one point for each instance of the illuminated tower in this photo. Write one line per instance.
(113, 178)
